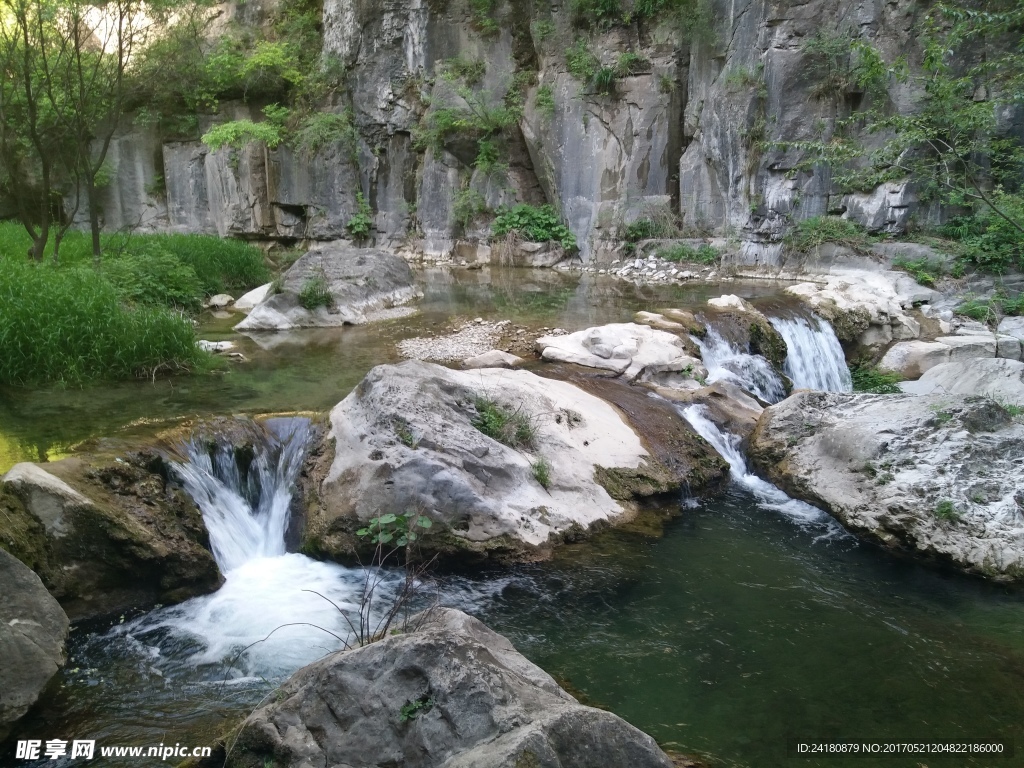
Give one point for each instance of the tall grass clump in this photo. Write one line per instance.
(71, 325)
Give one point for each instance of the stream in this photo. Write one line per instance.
(754, 618)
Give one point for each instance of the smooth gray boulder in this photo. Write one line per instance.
(996, 377)
(625, 348)
(912, 358)
(405, 439)
(494, 358)
(449, 693)
(33, 628)
(361, 282)
(937, 475)
(1012, 326)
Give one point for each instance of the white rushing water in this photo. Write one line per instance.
(766, 494)
(269, 599)
(727, 363)
(814, 357)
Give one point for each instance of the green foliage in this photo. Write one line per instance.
(413, 709)
(484, 17)
(748, 79)
(545, 101)
(511, 427)
(315, 293)
(468, 206)
(70, 325)
(536, 223)
(581, 62)
(703, 254)
(322, 129)
(399, 530)
(360, 224)
(867, 378)
(403, 431)
(945, 510)
(479, 120)
(991, 310)
(840, 63)
(818, 230)
(543, 29)
(924, 271)
(541, 470)
(238, 133)
(650, 229)
(990, 242)
(604, 80)
(470, 71)
(630, 63)
(597, 13)
(155, 278)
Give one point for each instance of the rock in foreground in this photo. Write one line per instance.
(405, 440)
(359, 281)
(33, 629)
(936, 474)
(449, 694)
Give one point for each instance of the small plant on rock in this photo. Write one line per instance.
(867, 378)
(413, 709)
(541, 469)
(945, 510)
(316, 293)
(362, 220)
(511, 427)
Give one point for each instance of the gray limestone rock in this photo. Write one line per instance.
(996, 377)
(937, 475)
(446, 693)
(360, 281)
(33, 628)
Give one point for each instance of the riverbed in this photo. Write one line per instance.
(738, 627)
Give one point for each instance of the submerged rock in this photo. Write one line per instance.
(446, 693)
(939, 475)
(33, 629)
(405, 440)
(354, 282)
(105, 535)
(746, 328)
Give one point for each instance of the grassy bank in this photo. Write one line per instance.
(72, 322)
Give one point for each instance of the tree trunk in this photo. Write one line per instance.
(94, 218)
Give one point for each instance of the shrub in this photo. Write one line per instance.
(630, 63)
(471, 71)
(483, 18)
(545, 101)
(316, 293)
(581, 62)
(537, 223)
(704, 254)
(511, 427)
(989, 242)
(468, 205)
(603, 13)
(541, 470)
(924, 271)
(322, 129)
(603, 80)
(867, 378)
(239, 133)
(70, 325)
(362, 220)
(818, 230)
(156, 279)
(945, 510)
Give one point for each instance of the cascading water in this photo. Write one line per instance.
(767, 495)
(275, 608)
(751, 372)
(814, 357)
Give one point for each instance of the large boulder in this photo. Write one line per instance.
(998, 378)
(406, 439)
(624, 348)
(912, 358)
(33, 629)
(450, 693)
(361, 282)
(106, 535)
(938, 475)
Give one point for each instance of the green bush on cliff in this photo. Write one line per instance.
(537, 223)
(819, 230)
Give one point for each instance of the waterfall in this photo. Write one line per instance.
(751, 372)
(274, 608)
(766, 494)
(814, 358)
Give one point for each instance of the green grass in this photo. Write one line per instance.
(870, 379)
(818, 230)
(705, 254)
(541, 470)
(70, 325)
(945, 510)
(511, 427)
(315, 293)
(925, 271)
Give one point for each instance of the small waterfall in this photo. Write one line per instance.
(751, 372)
(767, 495)
(814, 358)
(275, 606)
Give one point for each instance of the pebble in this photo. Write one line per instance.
(470, 340)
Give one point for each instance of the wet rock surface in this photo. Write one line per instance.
(448, 693)
(33, 629)
(936, 475)
(106, 534)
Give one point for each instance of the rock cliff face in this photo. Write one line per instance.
(689, 123)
